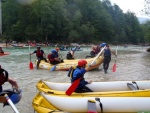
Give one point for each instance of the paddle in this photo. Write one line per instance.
(30, 64)
(114, 66)
(97, 55)
(11, 104)
(53, 68)
(73, 86)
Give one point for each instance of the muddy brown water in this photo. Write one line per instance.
(133, 63)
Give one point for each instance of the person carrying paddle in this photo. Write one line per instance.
(40, 55)
(79, 73)
(5, 78)
(70, 54)
(53, 57)
(107, 57)
(1, 50)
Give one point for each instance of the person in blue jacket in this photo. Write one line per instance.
(107, 58)
(79, 73)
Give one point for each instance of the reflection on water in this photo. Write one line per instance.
(133, 63)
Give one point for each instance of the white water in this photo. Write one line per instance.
(133, 63)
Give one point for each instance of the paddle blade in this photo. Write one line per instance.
(31, 65)
(73, 86)
(114, 68)
(53, 68)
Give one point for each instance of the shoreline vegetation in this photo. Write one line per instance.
(4, 45)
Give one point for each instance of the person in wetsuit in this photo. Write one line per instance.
(5, 78)
(107, 58)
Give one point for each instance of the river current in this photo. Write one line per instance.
(133, 63)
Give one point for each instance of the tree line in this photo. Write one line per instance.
(65, 21)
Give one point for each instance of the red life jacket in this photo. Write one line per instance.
(39, 53)
(97, 50)
(50, 58)
(3, 78)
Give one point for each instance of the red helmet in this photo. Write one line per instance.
(57, 48)
(82, 62)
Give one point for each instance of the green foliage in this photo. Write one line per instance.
(65, 21)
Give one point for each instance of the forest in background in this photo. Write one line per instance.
(66, 21)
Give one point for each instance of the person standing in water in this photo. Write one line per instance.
(40, 55)
(107, 57)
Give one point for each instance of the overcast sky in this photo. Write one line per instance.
(132, 5)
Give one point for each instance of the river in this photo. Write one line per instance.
(133, 63)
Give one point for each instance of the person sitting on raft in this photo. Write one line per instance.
(70, 54)
(79, 73)
(53, 58)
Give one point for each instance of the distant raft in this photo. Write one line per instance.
(4, 54)
(114, 97)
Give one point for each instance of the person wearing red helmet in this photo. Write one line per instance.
(79, 73)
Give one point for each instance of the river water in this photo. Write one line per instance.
(133, 63)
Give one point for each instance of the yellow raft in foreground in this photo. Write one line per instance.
(115, 97)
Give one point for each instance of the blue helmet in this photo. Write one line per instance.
(103, 44)
(73, 49)
(16, 97)
(53, 51)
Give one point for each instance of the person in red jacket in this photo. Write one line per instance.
(5, 78)
(53, 58)
(40, 55)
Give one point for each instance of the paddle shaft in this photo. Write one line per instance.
(97, 55)
(11, 104)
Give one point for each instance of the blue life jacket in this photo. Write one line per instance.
(107, 53)
(79, 73)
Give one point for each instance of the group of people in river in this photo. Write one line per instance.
(77, 73)
(80, 70)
